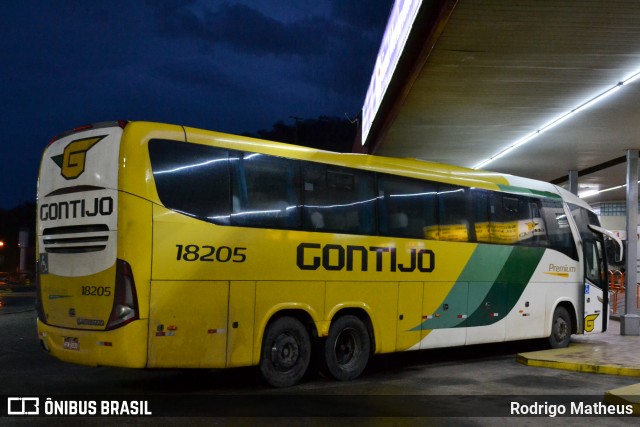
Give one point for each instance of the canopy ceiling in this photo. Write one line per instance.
(481, 75)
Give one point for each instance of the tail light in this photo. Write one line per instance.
(39, 307)
(125, 301)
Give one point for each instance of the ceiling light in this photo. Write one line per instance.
(631, 79)
(589, 193)
(586, 194)
(560, 119)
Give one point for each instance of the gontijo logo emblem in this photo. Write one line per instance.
(72, 160)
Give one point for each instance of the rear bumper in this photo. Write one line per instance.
(123, 347)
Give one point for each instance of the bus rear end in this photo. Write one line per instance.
(88, 311)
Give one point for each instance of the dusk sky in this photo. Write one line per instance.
(232, 66)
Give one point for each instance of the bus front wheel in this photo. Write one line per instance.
(347, 348)
(286, 352)
(560, 328)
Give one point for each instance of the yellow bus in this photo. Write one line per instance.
(168, 246)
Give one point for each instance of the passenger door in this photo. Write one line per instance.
(595, 285)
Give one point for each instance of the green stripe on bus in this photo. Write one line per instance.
(488, 306)
(488, 288)
(529, 192)
(486, 263)
(482, 270)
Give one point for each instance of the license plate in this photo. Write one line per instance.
(71, 343)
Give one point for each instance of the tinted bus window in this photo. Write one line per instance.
(480, 215)
(266, 191)
(454, 213)
(557, 226)
(338, 199)
(192, 178)
(512, 220)
(407, 207)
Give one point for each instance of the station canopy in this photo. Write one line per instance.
(530, 88)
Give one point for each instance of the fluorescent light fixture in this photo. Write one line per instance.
(592, 193)
(631, 79)
(555, 122)
(510, 148)
(588, 193)
(597, 98)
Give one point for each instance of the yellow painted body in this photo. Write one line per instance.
(189, 295)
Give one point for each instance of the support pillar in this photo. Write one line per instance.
(573, 182)
(630, 320)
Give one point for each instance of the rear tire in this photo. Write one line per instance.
(286, 351)
(561, 328)
(346, 350)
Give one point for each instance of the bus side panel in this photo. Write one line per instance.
(409, 315)
(241, 323)
(527, 319)
(188, 324)
(487, 303)
(378, 299)
(557, 279)
(444, 313)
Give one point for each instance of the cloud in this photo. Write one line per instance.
(333, 49)
(370, 16)
(199, 73)
(245, 29)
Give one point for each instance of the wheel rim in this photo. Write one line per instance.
(562, 329)
(346, 347)
(285, 352)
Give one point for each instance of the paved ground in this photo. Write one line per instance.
(609, 353)
(470, 386)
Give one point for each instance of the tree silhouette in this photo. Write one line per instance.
(324, 132)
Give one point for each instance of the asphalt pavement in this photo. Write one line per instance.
(471, 386)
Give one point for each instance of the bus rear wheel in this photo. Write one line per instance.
(560, 328)
(286, 352)
(346, 350)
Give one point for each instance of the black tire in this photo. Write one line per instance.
(286, 351)
(346, 350)
(561, 328)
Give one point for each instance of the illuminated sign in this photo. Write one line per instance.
(403, 14)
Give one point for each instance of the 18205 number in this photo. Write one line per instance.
(96, 291)
(210, 253)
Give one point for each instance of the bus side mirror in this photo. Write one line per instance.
(607, 233)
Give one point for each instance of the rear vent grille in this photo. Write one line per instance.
(75, 239)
